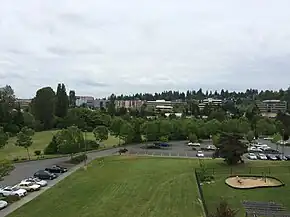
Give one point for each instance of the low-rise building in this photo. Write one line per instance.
(163, 105)
(136, 104)
(209, 101)
(24, 103)
(270, 108)
(100, 103)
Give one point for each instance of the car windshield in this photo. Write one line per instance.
(14, 188)
(37, 180)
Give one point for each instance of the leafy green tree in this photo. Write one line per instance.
(70, 140)
(62, 101)
(111, 105)
(24, 139)
(250, 136)
(137, 123)
(43, 106)
(17, 117)
(216, 139)
(230, 148)
(265, 127)
(101, 133)
(3, 138)
(219, 115)
(28, 119)
(192, 137)
(116, 127)
(213, 126)
(127, 132)
(150, 130)
(52, 147)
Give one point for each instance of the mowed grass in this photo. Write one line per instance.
(40, 141)
(214, 192)
(123, 187)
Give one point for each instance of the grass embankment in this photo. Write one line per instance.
(123, 187)
(215, 191)
(40, 141)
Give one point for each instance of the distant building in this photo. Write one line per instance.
(136, 104)
(100, 103)
(210, 101)
(85, 100)
(24, 103)
(270, 108)
(163, 105)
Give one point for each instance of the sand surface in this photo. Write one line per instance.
(251, 182)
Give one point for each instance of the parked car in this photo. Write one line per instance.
(7, 191)
(252, 156)
(56, 169)
(43, 174)
(40, 182)
(287, 157)
(210, 147)
(271, 151)
(29, 186)
(193, 144)
(271, 157)
(254, 149)
(281, 157)
(262, 156)
(3, 204)
(268, 138)
(200, 154)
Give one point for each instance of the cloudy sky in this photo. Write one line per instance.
(103, 47)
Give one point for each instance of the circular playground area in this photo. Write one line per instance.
(250, 182)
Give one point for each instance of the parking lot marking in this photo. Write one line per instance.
(169, 153)
(178, 154)
(153, 153)
(186, 154)
(161, 154)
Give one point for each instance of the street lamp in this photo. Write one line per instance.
(85, 132)
(283, 141)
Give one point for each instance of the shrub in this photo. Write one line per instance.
(78, 159)
(52, 147)
(24, 158)
(16, 159)
(38, 126)
(5, 168)
(37, 152)
(12, 198)
(92, 144)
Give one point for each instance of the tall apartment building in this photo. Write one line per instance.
(268, 107)
(209, 101)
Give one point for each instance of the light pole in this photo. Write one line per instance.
(283, 143)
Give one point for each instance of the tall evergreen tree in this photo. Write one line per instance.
(61, 105)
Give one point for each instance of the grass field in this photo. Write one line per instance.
(123, 187)
(214, 192)
(40, 141)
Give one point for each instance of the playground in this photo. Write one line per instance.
(249, 182)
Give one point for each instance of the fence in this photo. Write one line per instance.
(201, 193)
(247, 170)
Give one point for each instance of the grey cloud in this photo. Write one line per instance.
(90, 83)
(62, 51)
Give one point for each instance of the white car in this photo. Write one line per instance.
(254, 149)
(200, 154)
(37, 181)
(29, 186)
(12, 191)
(3, 204)
(268, 138)
(252, 156)
(262, 157)
(193, 144)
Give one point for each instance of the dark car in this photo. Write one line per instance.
(281, 157)
(43, 174)
(271, 157)
(56, 169)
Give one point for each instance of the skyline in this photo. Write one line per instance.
(99, 48)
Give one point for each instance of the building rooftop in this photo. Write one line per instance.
(272, 100)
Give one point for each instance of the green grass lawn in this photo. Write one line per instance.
(40, 141)
(215, 191)
(123, 187)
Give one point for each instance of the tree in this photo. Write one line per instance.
(231, 148)
(111, 105)
(3, 138)
(192, 137)
(101, 133)
(72, 99)
(127, 132)
(62, 102)
(150, 130)
(223, 210)
(250, 136)
(265, 127)
(70, 140)
(43, 106)
(24, 139)
(216, 139)
(163, 139)
(116, 127)
(52, 147)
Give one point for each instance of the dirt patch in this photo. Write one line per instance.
(252, 182)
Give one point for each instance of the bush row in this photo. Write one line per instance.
(78, 159)
(5, 168)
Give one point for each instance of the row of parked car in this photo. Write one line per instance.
(262, 156)
(30, 184)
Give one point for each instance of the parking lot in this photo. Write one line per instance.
(176, 149)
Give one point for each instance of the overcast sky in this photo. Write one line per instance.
(102, 47)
